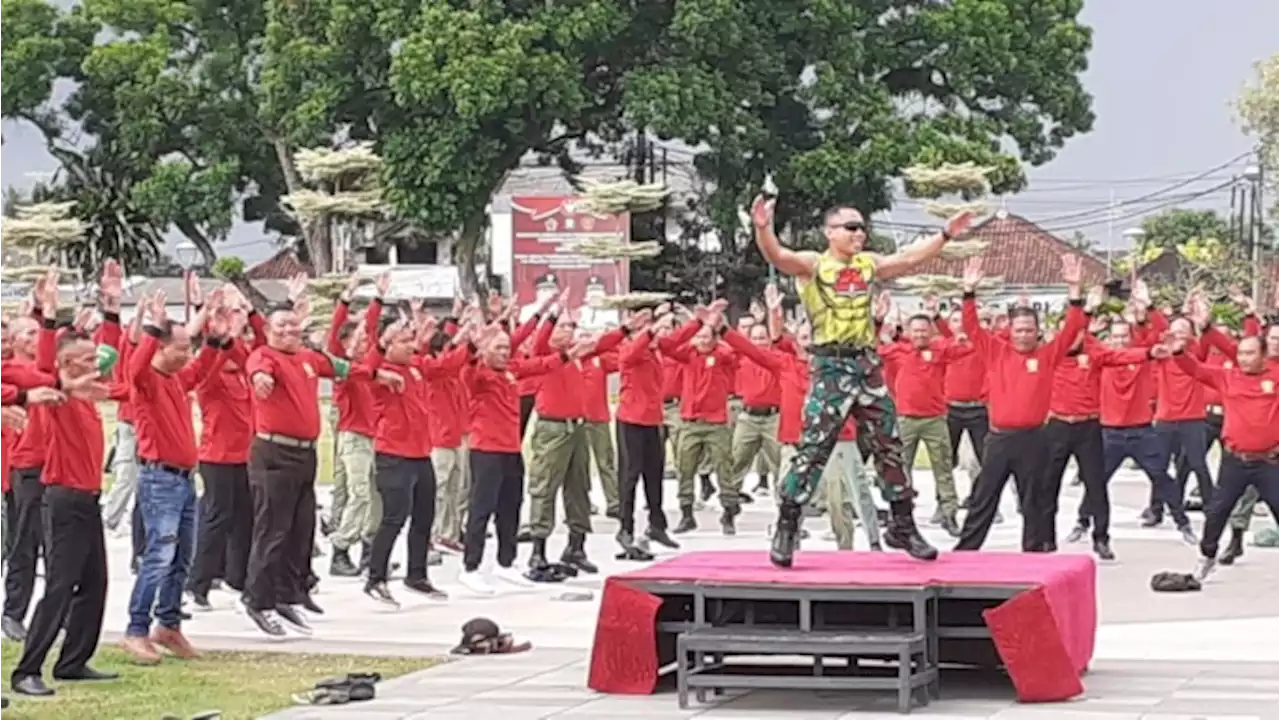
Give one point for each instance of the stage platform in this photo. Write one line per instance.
(1033, 614)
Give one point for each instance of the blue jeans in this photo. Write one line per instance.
(168, 504)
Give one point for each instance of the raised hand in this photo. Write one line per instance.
(884, 302)
(383, 283)
(638, 321)
(494, 303)
(47, 293)
(1093, 301)
(84, 316)
(156, 307)
(562, 302)
(715, 313)
(111, 286)
(931, 304)
(580, 349)
(85, 387)
(349, 292)
(762, 209)
(959, 223)
(972, 275)
(219, 324)
(297, 286)
(772, 297)
(1072, 269)
(756, 310)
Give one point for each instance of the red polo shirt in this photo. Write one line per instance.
(162, 409)
(1249, 403)
(595, 386)
(76, 449)
(293, 408)
(642, 378)
(758, 371)
(921, 374)
(708, 378)
(405, 417)
(495, 402)
(226, 412)
(355, 396)
(562, 395)
(1019, 384)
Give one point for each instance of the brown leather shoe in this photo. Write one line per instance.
(174, 641)
(140, 649)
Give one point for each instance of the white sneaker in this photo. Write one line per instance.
(475, 582)
(513, 576)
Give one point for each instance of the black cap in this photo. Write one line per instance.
(595, 280)
(547, 280)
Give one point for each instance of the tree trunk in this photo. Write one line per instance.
(468, 244)
(315, 233)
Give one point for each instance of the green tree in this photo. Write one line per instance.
(1178, 226)
(1258, 109)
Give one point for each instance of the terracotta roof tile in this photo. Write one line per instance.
(1021, 253)
(281, 266)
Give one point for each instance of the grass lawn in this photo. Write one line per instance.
(241, 685)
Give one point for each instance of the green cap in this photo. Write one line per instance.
(107, 358)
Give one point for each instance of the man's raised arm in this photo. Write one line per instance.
(909, 259)
(788, 261)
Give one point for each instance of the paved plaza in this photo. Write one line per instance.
(1212, 654)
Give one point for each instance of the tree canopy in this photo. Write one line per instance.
(194, 109)
(1259, 112)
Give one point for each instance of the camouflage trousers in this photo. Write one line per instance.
(851, 384)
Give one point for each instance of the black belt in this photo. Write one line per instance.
(760, 411)
(171, 469)
(839, 351)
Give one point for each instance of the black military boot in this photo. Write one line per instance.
(366, 549)
(727, 525)
(902, 533)
(538, 557)
(340, 564)
(575, 554)
(1235, 548)
(786, 536)
(708, 487)
(687, 522)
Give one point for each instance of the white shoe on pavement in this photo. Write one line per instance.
(513, 576)
(475, 582)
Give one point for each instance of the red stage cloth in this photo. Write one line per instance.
(1066, 581)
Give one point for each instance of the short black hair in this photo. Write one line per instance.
(921, 317)
(835, 210)
(71, 336)
(1018, 311)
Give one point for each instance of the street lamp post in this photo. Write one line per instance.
(186, 254)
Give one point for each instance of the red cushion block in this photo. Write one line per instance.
(1029, 642)
(624, 657)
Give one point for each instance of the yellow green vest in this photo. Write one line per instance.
(838, 300)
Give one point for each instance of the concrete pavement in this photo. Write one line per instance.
(1161, 657)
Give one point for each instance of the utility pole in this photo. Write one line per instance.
(1253, 175)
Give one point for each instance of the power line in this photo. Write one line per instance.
(1154, 195)
(1139, 213)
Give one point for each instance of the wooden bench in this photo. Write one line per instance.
(909, 648)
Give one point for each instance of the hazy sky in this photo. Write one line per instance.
(1163, 74)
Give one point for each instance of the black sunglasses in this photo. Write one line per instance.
(851, 226)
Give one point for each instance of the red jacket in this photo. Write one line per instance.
(1249, 400)
(641, 398)
(920, 374)
(708, 378)
(495, 401)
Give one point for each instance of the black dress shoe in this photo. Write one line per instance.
(13, 629)
(87, 673)
(31, 685)
(310, 605)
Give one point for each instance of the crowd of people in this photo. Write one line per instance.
(432, 413)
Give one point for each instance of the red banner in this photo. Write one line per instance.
(545, 231)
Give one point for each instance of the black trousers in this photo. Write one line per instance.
(646, 457)
(407, 487)
(10, 519)
(1147, 448)
(1188, 442)
(497, 491)
(1236, 475)
(1212, 434)
(1082, 440)
(971, 419)
(75, 591)
(226, 527)
(526, 411)
(27, 532)
(1020, 453)
(282, 485)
